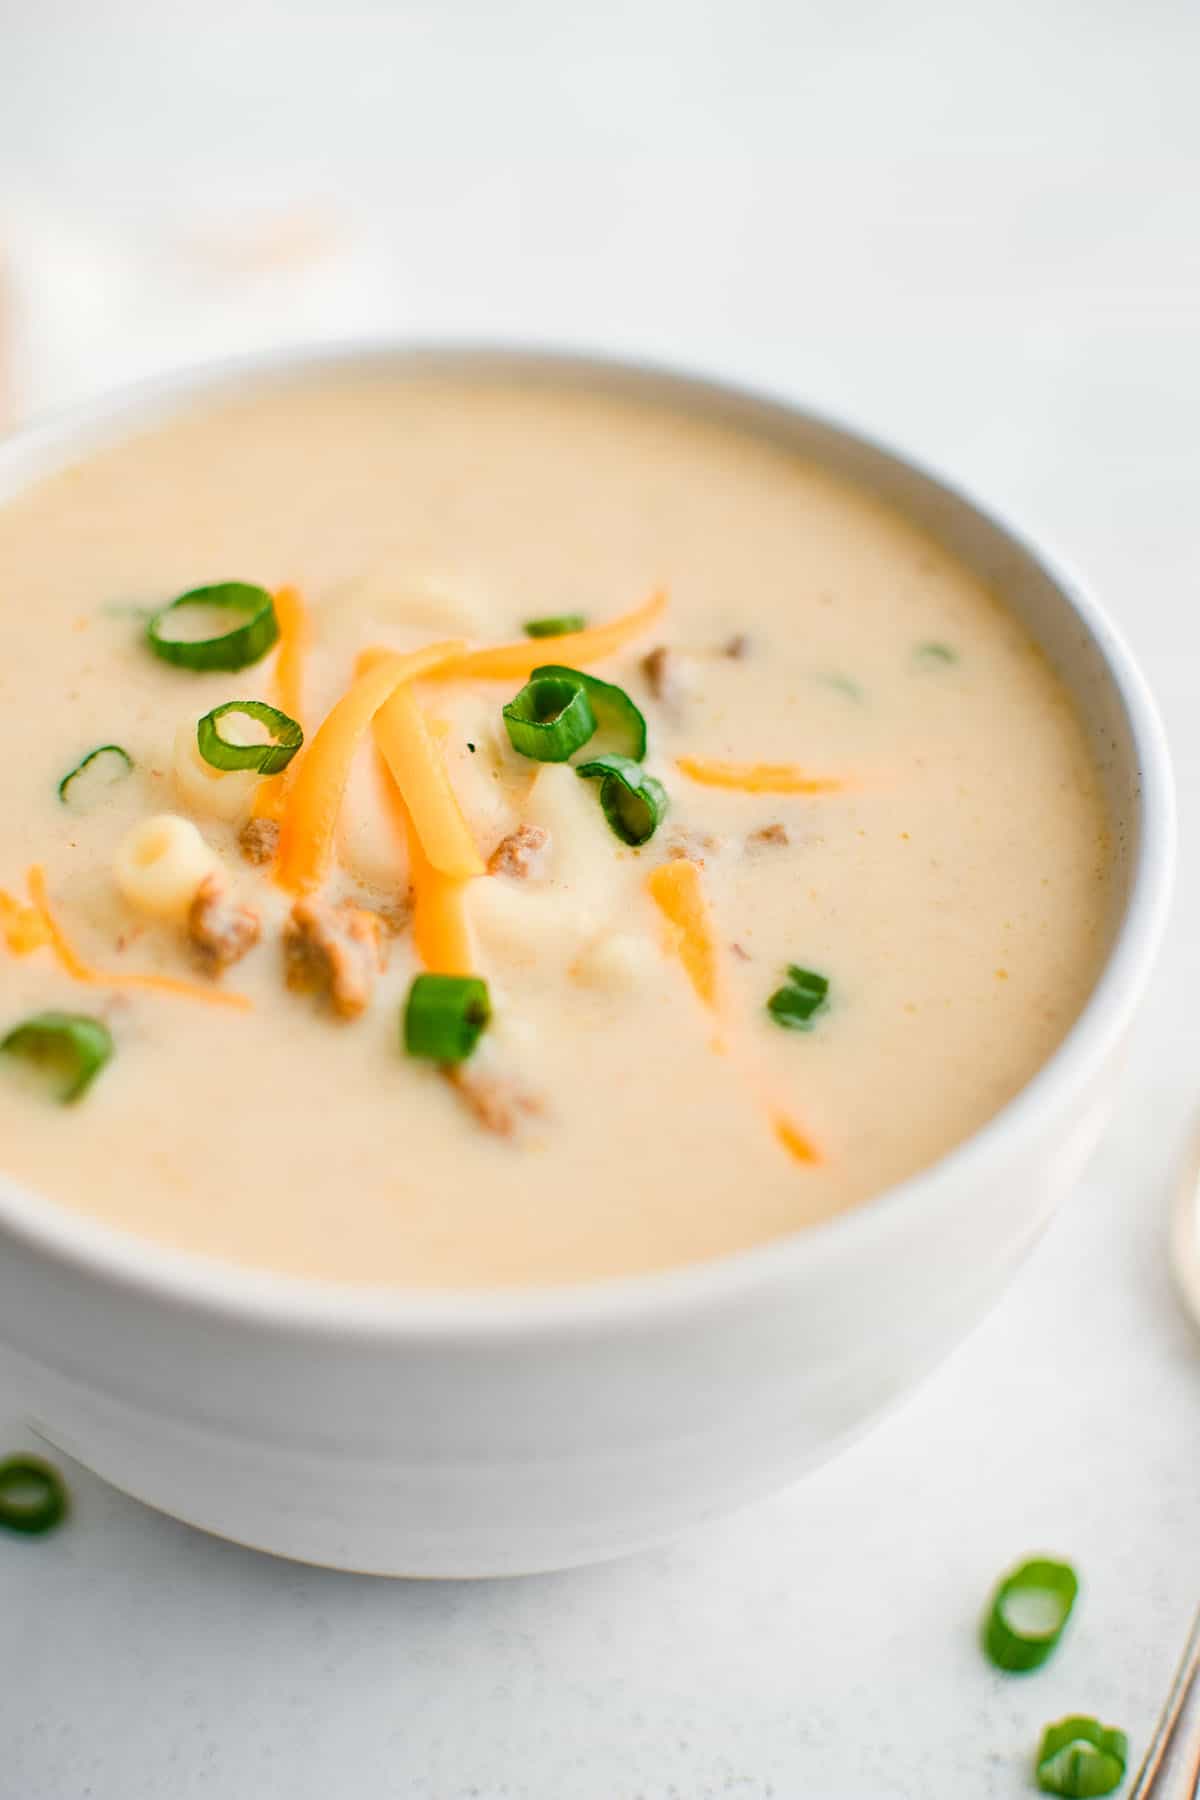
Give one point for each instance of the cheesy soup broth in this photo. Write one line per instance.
(871, 779)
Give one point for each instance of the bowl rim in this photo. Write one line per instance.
(276, 1302)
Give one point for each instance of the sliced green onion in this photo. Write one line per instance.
(931, 656)
(549, 719)
(796, 1005)
(444, 1016)
(1079, 1756)
(620, 726)
(33, 1496)
(556, 627)
(102, 767)
(242, 644)
(1029, 1610)
(841, 684)
(633, 802)
(267, 759)
(71, 1046)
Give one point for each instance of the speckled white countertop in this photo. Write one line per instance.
(975, 228)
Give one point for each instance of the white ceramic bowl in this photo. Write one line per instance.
(448, 1434)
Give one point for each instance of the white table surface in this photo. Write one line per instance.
(975, 228)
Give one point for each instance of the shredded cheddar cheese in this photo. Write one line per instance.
(407, 743)
(676, 890)
(74, 965)
(22, 927)
(516, 662)
(441, 929)
(756, 778)
(441, 926)
(295, 630)
(314, 800)
(794, 1141)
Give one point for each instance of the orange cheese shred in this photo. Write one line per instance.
(22, 927)
(756, 778)
(409, 748)
(676, 890)
(74, 965)
(314, 799)
(295, 633)
(441, 929)
(516, 662)
(441, 926)
(794, 1141)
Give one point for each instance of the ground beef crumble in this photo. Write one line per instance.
(521, 854)
(496, 1102)
(219, 930)
(692, 846)
(659, 668)
(337, 950)
(259, 840)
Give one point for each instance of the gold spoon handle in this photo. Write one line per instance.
(1171, 1767)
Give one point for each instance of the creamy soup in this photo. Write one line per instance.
(424, 1007)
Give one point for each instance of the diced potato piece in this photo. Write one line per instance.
(386, 605)
(161, 864)
(616, 962)
(584, 853)
(530, 927)
(217, 793)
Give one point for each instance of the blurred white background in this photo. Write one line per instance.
(973, 227)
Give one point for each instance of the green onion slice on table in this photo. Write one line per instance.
(69, 1047)
(633, 802)
(1028, 1613)
(444, 1016)
(100, 769)
(285, 738)
(1079, 1756)
(796, 1005)
(252, 631)
(550, 718)
(620, 725)
(33, 1496)
(558, 626)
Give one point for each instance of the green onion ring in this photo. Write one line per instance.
(620, 725)
(1081, 1757)
(796, 1005)
(242, 644)
(108, 750)
(33, 1495)
(559, 626)
(1008, 1645)
(71, 1044)
(549, 719)
(265, 759)
(633, 802)
(444, 1016)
